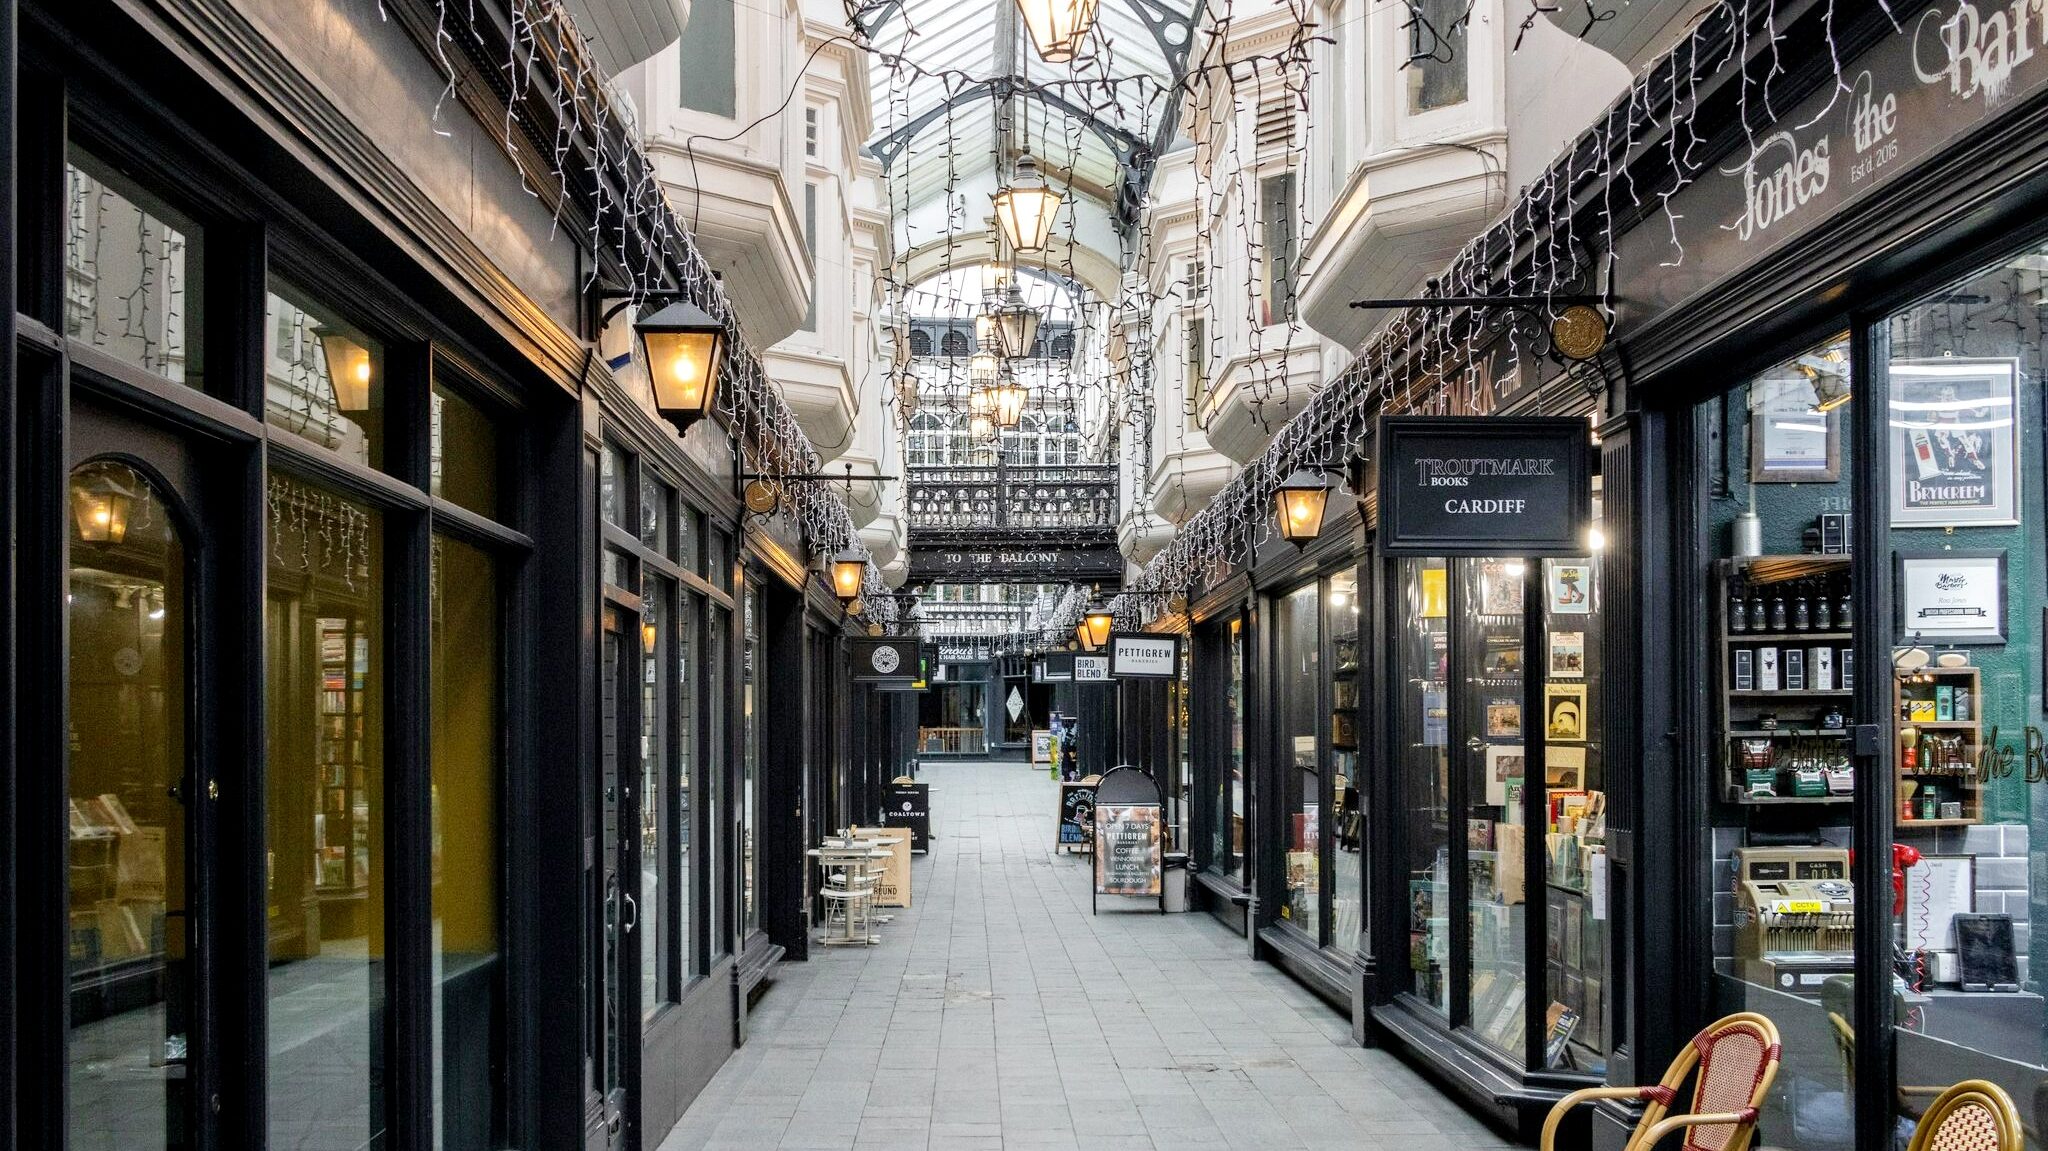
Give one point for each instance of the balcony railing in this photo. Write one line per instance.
(1070, 497)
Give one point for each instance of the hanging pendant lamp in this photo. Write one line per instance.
(1025, 208)
(1057, 27)
(1015, 322)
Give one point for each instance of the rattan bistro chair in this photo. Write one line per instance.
(1737, 1057)
(1974, 1115)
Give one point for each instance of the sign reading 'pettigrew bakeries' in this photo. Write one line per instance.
(1462, 486)
(1144, 656)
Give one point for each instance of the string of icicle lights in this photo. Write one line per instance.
(601, 177)
(1556, 238)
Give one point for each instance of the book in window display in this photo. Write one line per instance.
(1564, 712)
(1500, 587)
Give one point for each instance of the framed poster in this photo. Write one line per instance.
(1568, 586)
(1567, 655)
(1503, 765)
(1790, 442)
(1503, 719)
(1954, 442)
(1564, 712)
(1951, 597)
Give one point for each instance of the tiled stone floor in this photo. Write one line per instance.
(998, 1013)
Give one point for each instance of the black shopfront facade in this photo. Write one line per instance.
(397, 709)
(1807, 639)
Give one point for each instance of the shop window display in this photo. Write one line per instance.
(657, 723)
(1347, 818)
(1422, 725)
(1573, 814)
(1225, 790)
(1777, 490)
(1508, 851)
(750, 761)
(325, 892)
(1964, 428)
(718, 788)
(1297, 680)
(468, 1000)
(1488, 692)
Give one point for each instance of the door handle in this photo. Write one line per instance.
(632, 905)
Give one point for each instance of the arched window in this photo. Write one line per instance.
(920, 342)
(1063, 346)
(954, 343)
(925, 446)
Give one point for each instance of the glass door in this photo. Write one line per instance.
(1492, 598)
(139, 803)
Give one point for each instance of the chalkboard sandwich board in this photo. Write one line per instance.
(1077, 816)
(908, 805)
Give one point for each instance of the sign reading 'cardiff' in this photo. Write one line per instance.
(1465, 486)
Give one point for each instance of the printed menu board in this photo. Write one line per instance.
(1127, 851)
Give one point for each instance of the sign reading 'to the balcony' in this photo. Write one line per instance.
(1477, 486)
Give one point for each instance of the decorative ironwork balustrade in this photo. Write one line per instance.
(955, 502)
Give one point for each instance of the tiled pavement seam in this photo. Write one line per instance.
(997, 1012)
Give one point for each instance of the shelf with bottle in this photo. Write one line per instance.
(1940, 742)
(1786, 595)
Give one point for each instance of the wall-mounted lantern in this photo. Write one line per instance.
(1298, 503)
(684, 350)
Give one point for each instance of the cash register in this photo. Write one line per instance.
(1795, 917)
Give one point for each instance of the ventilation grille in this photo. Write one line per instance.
(1276, 122)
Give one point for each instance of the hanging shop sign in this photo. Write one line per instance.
(1091, 669)
(1035, 565)
(1475, 486)
(896, 660)
(1955, 65)
(1144, 656)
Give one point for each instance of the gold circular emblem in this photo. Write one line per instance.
(1579, 332)
(760, 497)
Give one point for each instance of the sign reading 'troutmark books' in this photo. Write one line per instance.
(1478, 486)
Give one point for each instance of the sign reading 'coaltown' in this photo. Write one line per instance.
(1466, 486)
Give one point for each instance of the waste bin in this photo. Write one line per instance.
(1174, 876)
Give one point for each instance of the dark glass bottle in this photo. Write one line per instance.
(1780, 619)
(1758, 620)
(1738, 612)
(1802, 613)
(1823, 612)
(1845, 614)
